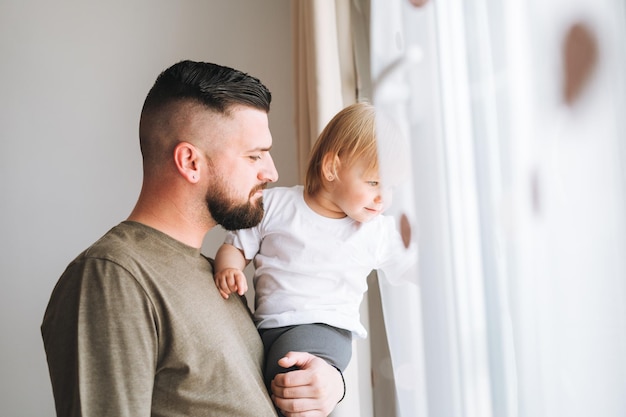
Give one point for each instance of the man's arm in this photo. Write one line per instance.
(100, 343)
(312, 391)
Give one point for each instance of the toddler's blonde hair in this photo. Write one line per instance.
(350, 137)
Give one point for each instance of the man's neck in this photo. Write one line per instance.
(173, 223)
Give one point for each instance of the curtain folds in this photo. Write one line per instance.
(323, 68)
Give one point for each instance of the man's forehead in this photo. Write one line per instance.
(246, 129)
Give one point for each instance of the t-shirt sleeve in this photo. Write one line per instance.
(397, 263)
(247, 240)
(101, 341)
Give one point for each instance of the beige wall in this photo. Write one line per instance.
(73, 76)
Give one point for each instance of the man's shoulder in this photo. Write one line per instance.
(123, 244)
(115, 240)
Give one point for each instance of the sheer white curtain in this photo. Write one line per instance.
(392, 60)
(518, 204)
(568, 199)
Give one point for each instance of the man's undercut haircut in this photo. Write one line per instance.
(217, 87)
(184, 87)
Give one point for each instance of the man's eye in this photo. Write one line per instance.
(255, 157)
(373, 183)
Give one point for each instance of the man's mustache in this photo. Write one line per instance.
(259, 187)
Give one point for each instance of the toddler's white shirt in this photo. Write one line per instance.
(313, 269)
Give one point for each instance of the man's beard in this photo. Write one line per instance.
(232, 216)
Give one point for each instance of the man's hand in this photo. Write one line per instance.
(311, 391)
(231, 280)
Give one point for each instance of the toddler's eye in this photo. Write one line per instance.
(373, 183)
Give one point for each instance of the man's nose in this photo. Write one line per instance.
(268, 171)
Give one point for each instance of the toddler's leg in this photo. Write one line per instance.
(329, 343)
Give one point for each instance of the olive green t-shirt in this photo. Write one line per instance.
(136, 327)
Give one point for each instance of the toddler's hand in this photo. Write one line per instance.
(231, 280)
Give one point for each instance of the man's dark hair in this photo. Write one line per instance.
(215, 86)
(210, 86)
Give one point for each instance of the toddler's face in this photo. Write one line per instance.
(359, 193)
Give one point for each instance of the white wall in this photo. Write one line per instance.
(73, 76)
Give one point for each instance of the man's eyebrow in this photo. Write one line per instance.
(266, 149)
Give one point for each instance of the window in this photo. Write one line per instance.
(517, 201)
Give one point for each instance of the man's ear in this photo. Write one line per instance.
(330, 166)
(186, 158)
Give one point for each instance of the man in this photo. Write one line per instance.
(135, 325)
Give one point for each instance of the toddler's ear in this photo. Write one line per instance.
(330, 166)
